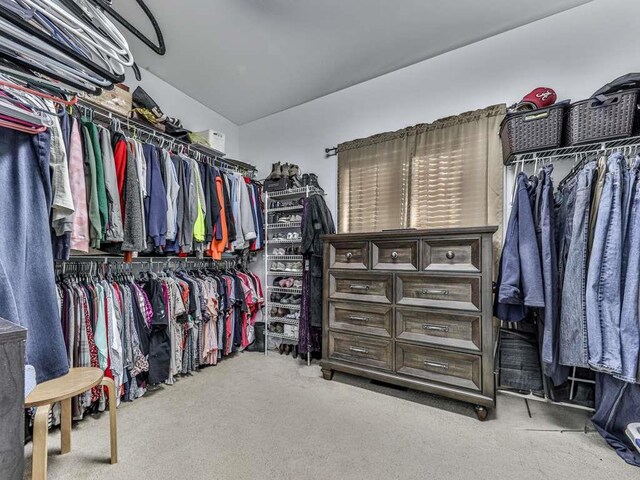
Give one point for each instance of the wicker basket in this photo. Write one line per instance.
(594, 120)
(532, 130)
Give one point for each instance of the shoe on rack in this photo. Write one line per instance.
(277, 282)
(295, 218)
(276, 172)
(293, 315)
(276, 297)
(279, 236)
(295, 300)
(279, 327)
(285, 299)
(297, 284)
(284, 219)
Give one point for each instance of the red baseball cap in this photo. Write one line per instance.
(538, 98)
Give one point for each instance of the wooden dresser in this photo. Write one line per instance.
(412, 308)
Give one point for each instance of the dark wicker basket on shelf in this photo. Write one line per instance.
(604, 118)
(532, 130)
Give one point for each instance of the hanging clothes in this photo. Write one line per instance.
(27, 284)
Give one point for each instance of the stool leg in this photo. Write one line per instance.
(65, 426)
(40, 431)
(111, 387)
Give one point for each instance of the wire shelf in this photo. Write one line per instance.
(572, 152)
(285, 257)
(286, 209)
(284, 290)
(284, 225)
(290, 321)
(284, 305)
(294, 191)
(282, 335)
(285, 273)
(284, 240)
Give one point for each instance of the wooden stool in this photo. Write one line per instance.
(63, 389)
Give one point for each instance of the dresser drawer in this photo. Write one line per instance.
(370, 287)
(394, 255)
(352, 255)
(457, 369)
(458, 293)
(361, 318)
(372, 352)
(458, 330)
(452, 254)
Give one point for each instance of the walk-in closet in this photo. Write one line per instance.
(319, 239)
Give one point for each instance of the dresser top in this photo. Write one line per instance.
(411, 233)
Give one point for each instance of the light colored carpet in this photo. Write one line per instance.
(253, 417)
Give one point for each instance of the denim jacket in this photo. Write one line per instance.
(520, 285)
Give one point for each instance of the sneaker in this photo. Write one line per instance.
(295, 300)
(297, 284)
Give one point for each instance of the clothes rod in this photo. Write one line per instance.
(151, 133)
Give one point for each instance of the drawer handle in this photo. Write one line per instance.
(358, 318)
(450, 254)
(394, 255)
(444, 366)
(348, 255)
(359, 350)
(430, 291)
(435, 328)
(359, 287)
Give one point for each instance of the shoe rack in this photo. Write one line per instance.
(284, 261)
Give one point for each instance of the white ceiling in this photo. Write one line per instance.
(247, 59)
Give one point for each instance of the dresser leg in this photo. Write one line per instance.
(327, 374)
(481, 413)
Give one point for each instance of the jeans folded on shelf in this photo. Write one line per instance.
(519, 361)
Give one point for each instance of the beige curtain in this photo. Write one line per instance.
(445, 174)
(372, 184)
(456, 171)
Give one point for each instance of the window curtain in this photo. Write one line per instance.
(445, 174)
(372, 183)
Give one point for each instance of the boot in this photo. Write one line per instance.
(313, 181)
(294, 352)
(276, 172)
(294, 175)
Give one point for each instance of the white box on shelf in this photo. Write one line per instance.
(209, 138)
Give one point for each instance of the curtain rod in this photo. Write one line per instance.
(151, 132)
(331, 152)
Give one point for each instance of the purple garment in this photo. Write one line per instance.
(155, 203)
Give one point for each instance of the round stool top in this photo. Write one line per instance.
(77, 381)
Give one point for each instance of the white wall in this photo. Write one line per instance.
(194, 115)
(574, 52)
